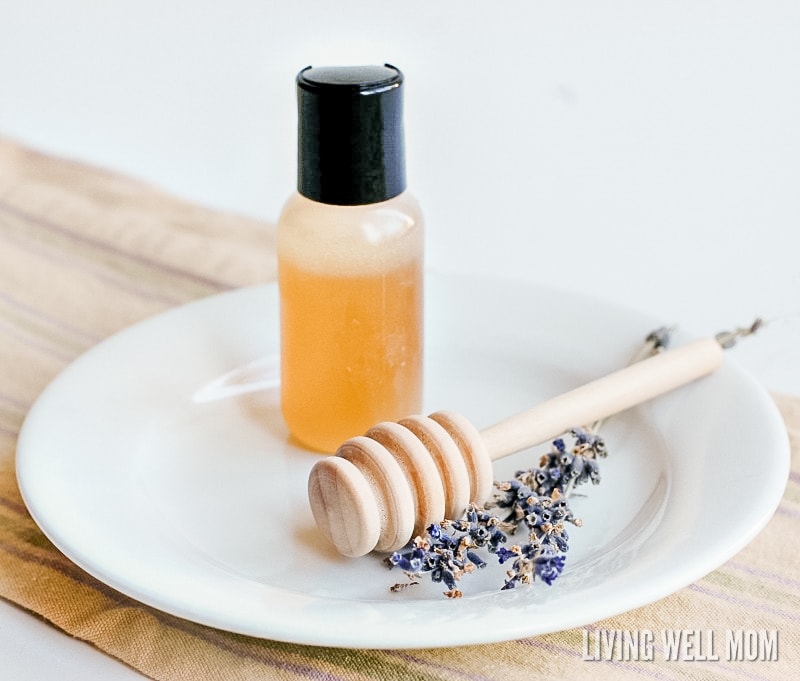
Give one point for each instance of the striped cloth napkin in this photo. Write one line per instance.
(84, 253)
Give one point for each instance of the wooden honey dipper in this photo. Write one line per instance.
(385, 487)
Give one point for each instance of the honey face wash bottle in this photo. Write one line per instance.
(350, 261)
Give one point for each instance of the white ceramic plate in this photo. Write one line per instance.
(159, 463)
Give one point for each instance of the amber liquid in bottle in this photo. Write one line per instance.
(351, 290)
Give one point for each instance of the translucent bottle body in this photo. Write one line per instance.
(351, 298)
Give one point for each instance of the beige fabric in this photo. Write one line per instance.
(84, 253)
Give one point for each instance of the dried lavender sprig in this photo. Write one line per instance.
(450, 549)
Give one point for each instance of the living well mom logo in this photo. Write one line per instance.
(680, 645)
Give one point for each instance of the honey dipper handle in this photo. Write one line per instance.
(603, 397)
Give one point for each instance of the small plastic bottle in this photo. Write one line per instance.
(350, 261)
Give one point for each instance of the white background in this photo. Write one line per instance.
(646, 153)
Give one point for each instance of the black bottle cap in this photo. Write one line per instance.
(350, 134)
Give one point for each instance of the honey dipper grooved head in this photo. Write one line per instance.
(382, 488)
